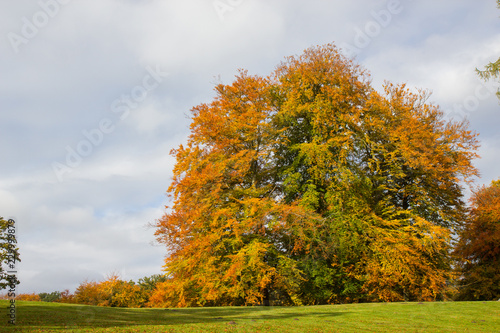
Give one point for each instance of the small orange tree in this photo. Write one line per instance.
(66, 297)
(111, 292)
(478, 251)
(90, 293)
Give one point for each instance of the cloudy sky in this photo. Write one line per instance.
(94, 94)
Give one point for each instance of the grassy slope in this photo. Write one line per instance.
(378, 317)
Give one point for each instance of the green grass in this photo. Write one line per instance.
(375, 317)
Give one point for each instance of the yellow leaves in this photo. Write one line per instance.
(248, 273)
(407, 261)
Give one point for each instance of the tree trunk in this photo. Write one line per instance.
(266, 300)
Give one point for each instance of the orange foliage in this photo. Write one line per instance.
(66, 297)
(28, 297)
(478, 251)
(110, 292)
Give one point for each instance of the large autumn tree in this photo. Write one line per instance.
(478, 250)
(308, 186)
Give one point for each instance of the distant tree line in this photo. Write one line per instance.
(112, 292)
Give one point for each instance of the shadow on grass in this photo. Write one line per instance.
(53, 316)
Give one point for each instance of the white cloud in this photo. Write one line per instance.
(9, 203)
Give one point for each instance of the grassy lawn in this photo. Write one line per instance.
(376, 317)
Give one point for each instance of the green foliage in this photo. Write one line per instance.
(491, 70)
(149, 283)
(50, 297)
